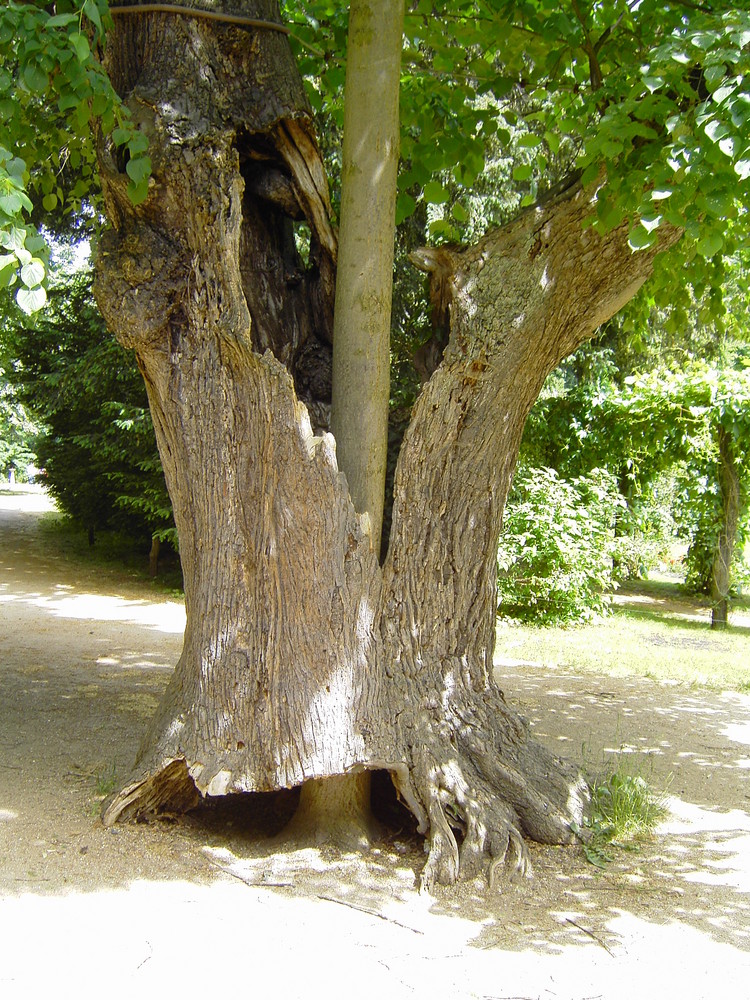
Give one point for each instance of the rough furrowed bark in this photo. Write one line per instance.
(517, 303)
(204, 282)
(303, 657)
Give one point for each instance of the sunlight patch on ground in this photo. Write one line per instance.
(166, 616)
(686, 817)
(726, 871)
(692, 965)
(26, 498)
(737, 732)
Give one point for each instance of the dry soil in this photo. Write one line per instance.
(204, 903)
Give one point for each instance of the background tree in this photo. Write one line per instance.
(17, 432)
(304, 657)
(95, 439)
(691, 423)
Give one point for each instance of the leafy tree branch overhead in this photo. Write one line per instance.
(652, 94)
(312, 653)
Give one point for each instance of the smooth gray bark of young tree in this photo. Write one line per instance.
(338, 810)
(304, 657)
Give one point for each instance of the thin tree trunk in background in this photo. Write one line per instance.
(721, 572)
(153, 557)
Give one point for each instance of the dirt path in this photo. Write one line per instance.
(201, 903)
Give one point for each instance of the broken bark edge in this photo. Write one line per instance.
(171, 791)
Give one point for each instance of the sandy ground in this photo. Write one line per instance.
(203, 903)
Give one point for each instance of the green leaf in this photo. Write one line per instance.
(31, 300)
(68, 101)
(405, 207)
(710, 244)
(137, 143)
(641, 239)
(611, 148)
(13, 239)
(37, 80)
(459, 213)
(32, 274)
(714, 75)
(92, 13)
(61, 20)
(435, 193)
(720, 203)
(7, 274)
(81, 45)
(138, 169)
(138, 192)
(35, 243)
(11, 203)
(121, 135)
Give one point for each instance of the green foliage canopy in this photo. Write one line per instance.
(649, 99)
(17, 431)
(54, 98)
(652, 422)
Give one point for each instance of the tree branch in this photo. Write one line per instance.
(594, 68)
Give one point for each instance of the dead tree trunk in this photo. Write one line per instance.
(303, 657)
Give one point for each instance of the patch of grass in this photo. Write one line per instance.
(624, 810)
(105, 782)
(115, 553)
(660, 633)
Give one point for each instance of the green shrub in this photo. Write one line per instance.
(555, 553)
(647, 532)
(96, 440)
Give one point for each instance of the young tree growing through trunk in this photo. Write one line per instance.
(305, 658)
(338, 808)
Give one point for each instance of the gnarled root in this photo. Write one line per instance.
(487, 828)
(485, 785)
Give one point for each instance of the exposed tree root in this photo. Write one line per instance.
(477, 785)
(466, 767)
(487, 792)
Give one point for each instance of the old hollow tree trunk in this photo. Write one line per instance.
(304, 657)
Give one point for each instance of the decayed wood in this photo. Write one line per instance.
(303, 657)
